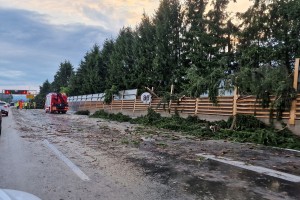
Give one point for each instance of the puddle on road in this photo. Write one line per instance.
(242, 184)
(204, 178)
(259, 180)
(209, 179)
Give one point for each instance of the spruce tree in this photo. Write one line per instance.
(62, 76)
(144, 54)
(168, 24)
(122, 61)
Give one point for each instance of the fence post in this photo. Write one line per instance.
(111, 104)
(122, 100)
(295, 85)
(97, 101)
(103, 105)
(91, 104)
(134, 104)
(171, 93)
(196, 107)
(235, 97)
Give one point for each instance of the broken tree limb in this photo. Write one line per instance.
(151, 92)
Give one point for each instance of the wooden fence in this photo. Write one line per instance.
(226, 106)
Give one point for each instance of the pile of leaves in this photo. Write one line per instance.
(248, 129)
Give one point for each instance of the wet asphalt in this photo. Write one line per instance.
(118, 168)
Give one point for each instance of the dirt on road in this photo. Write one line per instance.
(167, 157)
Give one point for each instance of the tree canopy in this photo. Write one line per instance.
(199, 47)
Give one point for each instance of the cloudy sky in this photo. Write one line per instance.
(37, 35)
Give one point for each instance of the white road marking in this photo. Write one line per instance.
(262, 170)
(73, 167)
(293, 150)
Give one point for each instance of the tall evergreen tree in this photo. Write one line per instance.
(122, 61)
(106, 53)
(254, 35)
(168, 24)
(269, 43)
(206, 46)
(218, 22)
(44, 90)
(92, 71)
(285, 28)
(86, 79)
(195, 35)
(62, 76)
(270, 34)
(76, 82)
(143, 50)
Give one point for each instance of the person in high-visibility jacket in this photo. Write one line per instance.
(20, 105)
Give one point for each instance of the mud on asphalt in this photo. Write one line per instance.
(170, 157)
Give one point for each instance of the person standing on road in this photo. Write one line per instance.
(20, 105)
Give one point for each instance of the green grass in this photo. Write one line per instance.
(248, 129)
(82, 112)
(111, 116)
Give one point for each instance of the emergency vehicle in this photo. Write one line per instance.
(56, 103)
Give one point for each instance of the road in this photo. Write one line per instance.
(75, 157)
(39, 167)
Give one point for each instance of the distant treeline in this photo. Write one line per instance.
(199, 47)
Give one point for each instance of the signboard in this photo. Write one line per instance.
(126, 95)
(15, 91)
(29, 96)
(146, 98)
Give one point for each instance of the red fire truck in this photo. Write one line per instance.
(56, 103)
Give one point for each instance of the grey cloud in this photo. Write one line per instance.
(33, 46)
(105, 16)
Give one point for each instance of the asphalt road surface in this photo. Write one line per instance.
(62, 157)
(40, 167)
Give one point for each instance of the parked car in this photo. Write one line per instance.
(0, 123)
(8, 194)
(4, 108)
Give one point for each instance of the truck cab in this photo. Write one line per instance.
(56, 103)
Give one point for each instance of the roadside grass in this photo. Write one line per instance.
(111, 116)
(248, 129)
(82, 112)
(162, 145)
(128, 141)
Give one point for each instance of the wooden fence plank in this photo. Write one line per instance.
(190, 106)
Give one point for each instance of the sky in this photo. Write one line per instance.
(37, 35)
